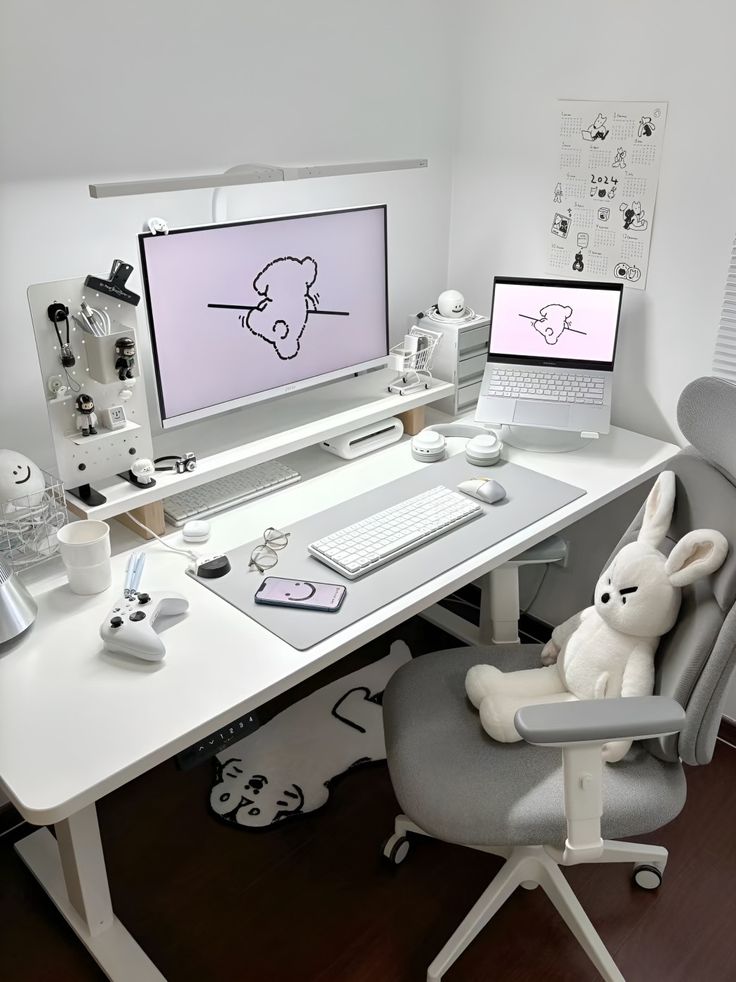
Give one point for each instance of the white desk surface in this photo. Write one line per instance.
(76, 723)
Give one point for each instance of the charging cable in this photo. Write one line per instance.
(432, 314)
(182, 552)
(209, 568)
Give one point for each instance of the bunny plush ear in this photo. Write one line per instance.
(697, 554)
(658, 510)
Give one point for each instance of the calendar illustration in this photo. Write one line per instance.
(602, 198)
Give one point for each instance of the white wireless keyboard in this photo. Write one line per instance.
(381, 538)
(226, 492)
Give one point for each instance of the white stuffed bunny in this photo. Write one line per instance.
(607, 650)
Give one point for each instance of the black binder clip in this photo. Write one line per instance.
(114, 285)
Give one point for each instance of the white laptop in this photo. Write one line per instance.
(551, 354)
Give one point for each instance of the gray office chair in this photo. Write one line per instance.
(519, 800)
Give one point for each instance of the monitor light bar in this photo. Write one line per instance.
(250, 174)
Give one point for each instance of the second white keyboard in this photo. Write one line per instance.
(225, 492)
(379, 539)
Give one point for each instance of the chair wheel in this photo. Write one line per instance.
(395, 849)
(647, 877)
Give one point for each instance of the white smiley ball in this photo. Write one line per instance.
(451, 303)
(22, 482)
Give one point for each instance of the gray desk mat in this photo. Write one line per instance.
(529, 497)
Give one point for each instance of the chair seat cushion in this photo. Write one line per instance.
(461, 786)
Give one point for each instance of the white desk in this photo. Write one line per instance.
(76, 723)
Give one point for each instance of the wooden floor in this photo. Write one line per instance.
(311, 901)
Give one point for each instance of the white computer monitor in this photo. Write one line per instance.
(247, 311)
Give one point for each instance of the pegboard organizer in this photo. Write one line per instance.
(86, 460)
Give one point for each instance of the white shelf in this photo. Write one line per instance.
(276, 428)
(102, 433)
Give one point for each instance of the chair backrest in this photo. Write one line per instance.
(696, 659)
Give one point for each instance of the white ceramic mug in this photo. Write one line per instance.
(85, 550)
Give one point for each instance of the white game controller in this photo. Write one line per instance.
(129, 628)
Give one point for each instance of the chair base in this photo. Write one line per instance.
(528, 867)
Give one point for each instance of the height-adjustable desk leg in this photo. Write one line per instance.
(499, 606)
(499, 611)
(71, 869)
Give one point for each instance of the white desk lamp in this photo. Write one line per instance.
(17, 607)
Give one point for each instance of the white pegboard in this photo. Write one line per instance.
(86, 460)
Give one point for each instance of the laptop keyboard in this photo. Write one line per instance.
(512, 383)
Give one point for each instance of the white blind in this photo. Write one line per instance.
(724, 359)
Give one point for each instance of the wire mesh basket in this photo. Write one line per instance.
(412, 362)
(28, 525)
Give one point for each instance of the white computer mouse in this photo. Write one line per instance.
(483, 489)
(196, 531)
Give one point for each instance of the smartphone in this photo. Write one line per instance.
(300, 593)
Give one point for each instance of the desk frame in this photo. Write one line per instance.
(71, 869)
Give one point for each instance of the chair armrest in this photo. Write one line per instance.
(599, 720)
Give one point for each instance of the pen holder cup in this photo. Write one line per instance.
(101, 356)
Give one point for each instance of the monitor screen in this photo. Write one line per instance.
(554, 322)
(250, 310)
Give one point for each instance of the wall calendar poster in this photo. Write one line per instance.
(602, 199)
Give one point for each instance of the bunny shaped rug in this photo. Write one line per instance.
(607, 650)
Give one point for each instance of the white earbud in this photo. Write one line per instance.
(482, 449)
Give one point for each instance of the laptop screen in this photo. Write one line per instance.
(554, 322)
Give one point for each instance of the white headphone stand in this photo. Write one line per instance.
(539, 439)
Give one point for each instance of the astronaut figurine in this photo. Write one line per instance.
(125, 357)
(86, 415)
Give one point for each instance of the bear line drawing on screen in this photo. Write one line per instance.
(553, 320)
(288, 300)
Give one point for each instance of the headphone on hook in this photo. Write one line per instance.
(482, 449)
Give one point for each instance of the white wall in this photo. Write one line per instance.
(91, 91)
(521, 57)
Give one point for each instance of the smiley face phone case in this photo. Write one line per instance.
(281, 592)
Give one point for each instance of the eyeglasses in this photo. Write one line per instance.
(264, 556)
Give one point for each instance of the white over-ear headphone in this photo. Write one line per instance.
(482, 449)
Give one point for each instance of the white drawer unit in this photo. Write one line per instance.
(460, 358)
